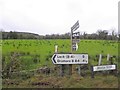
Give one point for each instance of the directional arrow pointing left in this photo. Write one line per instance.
(53, 58)
(70, 59)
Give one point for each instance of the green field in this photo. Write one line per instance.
(33, 54)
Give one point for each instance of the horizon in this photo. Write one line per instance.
(81, 33)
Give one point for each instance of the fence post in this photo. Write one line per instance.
(61, 70)
(61, 66)
(116, 70)
(100, 59)
(79, 70)
(108, 57)
(92, 72)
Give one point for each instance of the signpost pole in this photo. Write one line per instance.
(74, 37)
(79, 69)
(70, 65)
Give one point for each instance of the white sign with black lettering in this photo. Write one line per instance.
(70, 58)
(75, 40)
(75, 26)
(104, 67)
(76, 34)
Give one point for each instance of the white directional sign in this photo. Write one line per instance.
(104, 67)
(76, 34)
(70, 58)
(75, 40)
(74, 46)
(75, 26)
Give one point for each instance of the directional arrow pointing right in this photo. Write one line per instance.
(76, 46)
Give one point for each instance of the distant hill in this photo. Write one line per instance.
(27, 35)
(20, 35)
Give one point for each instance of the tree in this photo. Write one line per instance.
(119, 36)
(102, 34)
(12, 35)
(84, 35)
(114, 35)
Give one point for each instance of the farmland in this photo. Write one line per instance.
(30, 55)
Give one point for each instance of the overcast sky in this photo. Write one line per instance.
(58, 16)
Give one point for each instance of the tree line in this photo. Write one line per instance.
(99, 35)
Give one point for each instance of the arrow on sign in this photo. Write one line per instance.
(70, 59)
(75, 26)
(76, 46)
(75, 40)
(54, 58)
(104, 67)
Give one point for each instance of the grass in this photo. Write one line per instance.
(37, 53)
(75, 81)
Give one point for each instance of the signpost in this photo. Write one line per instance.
(70, 58)
(62, 59)
(102, 68)
(75, 26)
(75, 40)
(75, 46)
(74, 37)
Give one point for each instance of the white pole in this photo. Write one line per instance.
(108, 56)
(56, 48)
(100, 58)
(76, 46)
